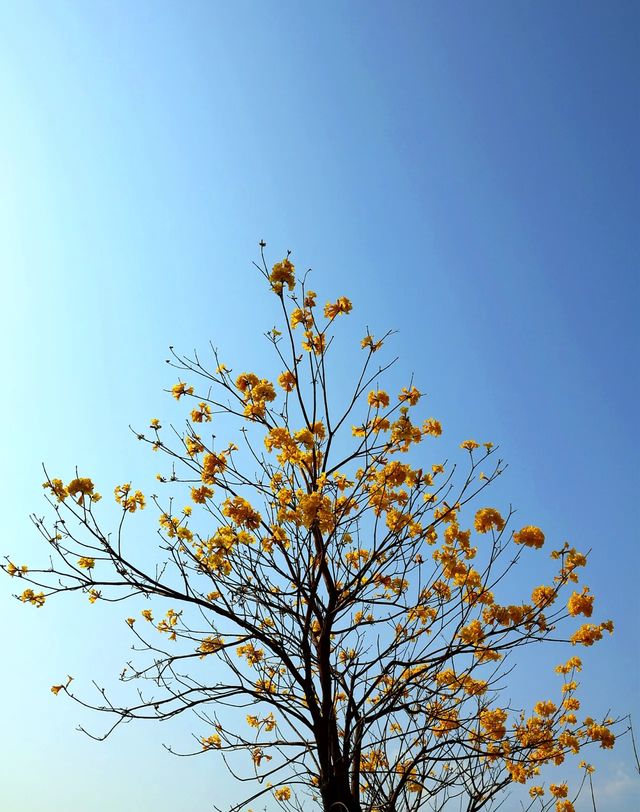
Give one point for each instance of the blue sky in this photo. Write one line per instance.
(466, 173)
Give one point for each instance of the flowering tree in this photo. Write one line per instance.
(323, 578)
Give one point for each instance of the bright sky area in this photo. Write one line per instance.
(465, 172)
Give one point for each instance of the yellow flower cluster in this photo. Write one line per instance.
(12, 570)
(211, 742)
(571, 664)
(412, 396)
(546, 708)
(168, 623)
(378, 399)
(493, 723)
(240, 512)
(209, 645)
(432, 427)
(268, 723)
(590, 633)
(342, 305)
(251, 654)
(200, 495)
(581, 603)
(256, 393)
(600, 733)
(488, 518)
(129, 502)
(314, 342)
(213, 553)
(202, 414)
(530, 536)
(29, 596)
(178, 390)
(300, 316)
(57, 488)
(81, 487)
(373, 760)
(472, 634)
(287, 380)
(356, 558)
(282, 273)
(368, 342)
(78, 487)
(543, 596)
(449, 679)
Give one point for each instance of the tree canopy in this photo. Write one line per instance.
(328, 600)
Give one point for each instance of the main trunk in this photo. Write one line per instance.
(337, 797)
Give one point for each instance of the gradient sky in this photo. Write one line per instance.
(465, 172)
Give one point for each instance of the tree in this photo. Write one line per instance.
(323, 578)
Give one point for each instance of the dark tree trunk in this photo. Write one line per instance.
(337, 797)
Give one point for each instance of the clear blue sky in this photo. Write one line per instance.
(465, 172)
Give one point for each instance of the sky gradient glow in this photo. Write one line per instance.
(465, 172)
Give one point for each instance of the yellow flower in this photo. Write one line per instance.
(368, 342)
(543, 595)
(212, 464)
(241, 513)
(432, 426)
(602, 734)
(210, 742)
(57, 488)
(314, 342)
(572, 662)
(129, 503)
(194, 445)
(379, 399)
(179, 389)
(200, 495)
(55, 689)
(342, 305)
(469, 445)
(411, 395)
(282, 794)
(488, 518)
(86, 563)
(147, 615)
(472, 634)
(251, 654)
(287, 380)
(202, 413)
(530, 536)
(210, 645)
(581, 603)
(12, 570)
(80, 487)
(493, 723)
(282, 274)
(517, 772)
(29, 596)
(588, 634)
(559, 790)
(299, 316)
(545, 708)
